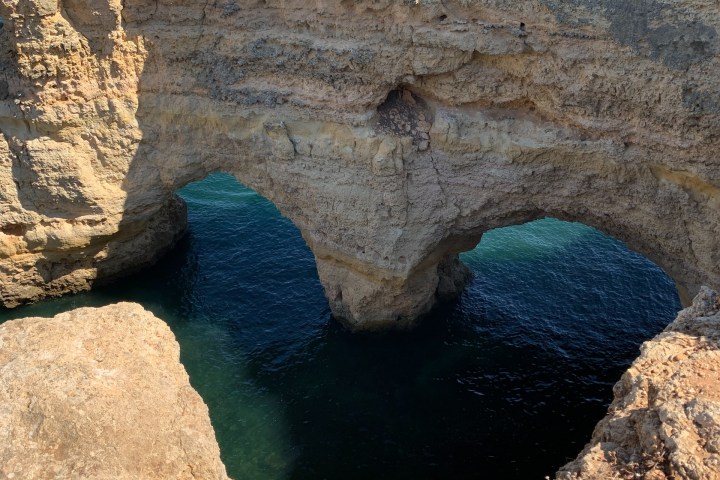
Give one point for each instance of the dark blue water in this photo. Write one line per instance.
(505, 383)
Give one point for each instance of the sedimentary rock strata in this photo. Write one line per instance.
(100, 393)
(393, 133)
(665, 420)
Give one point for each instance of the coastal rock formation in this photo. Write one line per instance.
(393, 133)
(100, 393)
(665, 420)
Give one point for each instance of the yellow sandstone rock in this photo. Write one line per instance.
(665, 420)
(392, 133)
(100, 393)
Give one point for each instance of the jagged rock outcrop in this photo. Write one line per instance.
(100, 393)
(665, 420)
(393, 133)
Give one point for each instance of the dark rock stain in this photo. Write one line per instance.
(643, 26)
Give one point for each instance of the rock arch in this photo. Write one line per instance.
(392, 133)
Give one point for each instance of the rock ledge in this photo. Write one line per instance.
(100, 393)
(665, 419)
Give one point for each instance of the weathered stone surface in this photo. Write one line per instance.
(665, 420)
(393, 133)
(100, 393)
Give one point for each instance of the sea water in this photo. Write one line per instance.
(507, 382)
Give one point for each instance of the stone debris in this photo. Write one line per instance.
(405, 115)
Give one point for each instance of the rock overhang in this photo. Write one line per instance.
(393, 134)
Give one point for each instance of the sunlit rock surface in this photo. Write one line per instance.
(100, 393)
(665, 420)
(393, 133)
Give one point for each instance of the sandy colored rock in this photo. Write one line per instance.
(392, 133)
(664, 422)
(100, 393)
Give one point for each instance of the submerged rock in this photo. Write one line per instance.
(100, 393)
(665, 420)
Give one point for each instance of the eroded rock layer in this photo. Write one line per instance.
(665, 420)
(393, 133)
(100, 393)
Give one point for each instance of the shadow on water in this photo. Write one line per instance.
(508, 381)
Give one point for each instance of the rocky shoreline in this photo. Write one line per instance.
(664, 422)
(394, 134)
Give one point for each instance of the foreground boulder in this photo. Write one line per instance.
(100, 393)
(665, 419)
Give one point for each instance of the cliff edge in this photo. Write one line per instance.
(665, 420)
(100, 393)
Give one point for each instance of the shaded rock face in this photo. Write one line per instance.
(394, 134)
(665, 419)
(100, 393)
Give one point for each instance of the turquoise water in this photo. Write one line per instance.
(507, 382)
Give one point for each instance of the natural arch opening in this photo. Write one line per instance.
(555, 271)
(510, 378)
(489, 383)
(513, 391)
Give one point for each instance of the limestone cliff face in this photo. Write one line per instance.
(665, 419)
(393, 133)
(100, 393)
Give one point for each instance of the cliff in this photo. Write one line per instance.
(100, 393)
(665, 419)
(393, 133)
